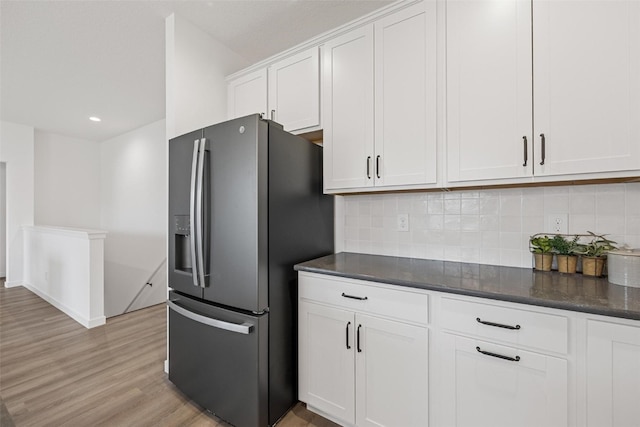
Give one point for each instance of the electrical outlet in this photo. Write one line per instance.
(558, 223)
(403, 222)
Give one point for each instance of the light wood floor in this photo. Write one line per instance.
(54, 372)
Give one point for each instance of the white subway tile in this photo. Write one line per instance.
(510, 240)
(489, 205)
(511, 258)
(580, 224)
(436, 206)
(609, 224)
(452, 222)
(610, 203)
(470, 239)
(435, 222)
(470, 222)
(490, 239)
(489, 223)
(470, 206)
(556, 204)
(511, 223)
(533, 224)
(511, 205)
(532, 204)
(452, 207)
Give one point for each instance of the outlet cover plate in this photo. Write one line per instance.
(557, 223)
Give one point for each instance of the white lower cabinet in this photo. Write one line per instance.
(325, 357)
(613, 374)
(360, 369)
(391, 373)
(372, 354)
(484, 384)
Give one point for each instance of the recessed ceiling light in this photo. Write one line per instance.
(95, 119)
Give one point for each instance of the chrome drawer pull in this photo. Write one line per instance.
(353, 297)
(499, 356)
(497, 325)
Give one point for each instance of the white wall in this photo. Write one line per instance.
(134, 213)
(16, 149)
(67, 181)
(196, 66)
(3, 220)
(485, 226)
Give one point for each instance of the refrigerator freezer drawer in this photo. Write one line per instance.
(218, 358)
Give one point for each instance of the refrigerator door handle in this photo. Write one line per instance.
(199, 196)
(244, 328)
(192, 212)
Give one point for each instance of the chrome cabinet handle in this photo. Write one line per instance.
(244, 328)
(378, 166)
(358, 340)
(368, 167)
(347, 336)
(525, 151)
(499, 356)
(543, 148)
(497, 325)
(354, 297)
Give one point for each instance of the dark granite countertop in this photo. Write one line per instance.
(573, 292)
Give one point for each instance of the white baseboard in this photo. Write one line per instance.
(166, 366)
(12, 284)
(87, 323)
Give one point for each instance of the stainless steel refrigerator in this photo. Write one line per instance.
(245, 205)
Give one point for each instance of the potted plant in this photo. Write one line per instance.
(566, 253)
(541, 248)
(594, 254)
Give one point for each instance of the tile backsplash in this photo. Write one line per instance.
(485, 226)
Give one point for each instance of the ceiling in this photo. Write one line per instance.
(63, 61)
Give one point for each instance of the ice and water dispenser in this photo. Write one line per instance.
(182, 241)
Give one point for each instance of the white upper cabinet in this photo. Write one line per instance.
(293, 96)
(586, 57)
(488, 87)
(572, 89)
(247, 94)
(380, 114)
(405, 97)
(294, 90)
(348, 110)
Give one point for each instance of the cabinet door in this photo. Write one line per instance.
(391, 373)
(294, 90)
(486, 390)
(348, 110)
(405, 97)
(488, 89)
(587, 85)
(325, 357)
(613, 375)
(247, 94)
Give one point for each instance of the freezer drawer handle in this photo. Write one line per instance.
(354, 297)
(497, 325)
(244, 328)
(499, 356)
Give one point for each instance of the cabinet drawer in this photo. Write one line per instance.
(363, 297)
(509, 325)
